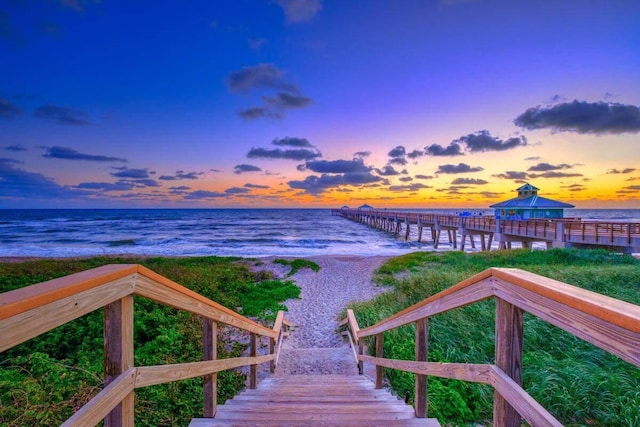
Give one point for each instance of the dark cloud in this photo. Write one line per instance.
(575, 187)
(623, 171)
(299, 10)
(262, 187)
(71, 154)
(62, 115)
(237, 190)
(107, 186)
(167, 178)
(283, 100)
(387, 171)
(459, 168)
(261, 76)
(583, 117)
(398, 151)
(543, 167)
(554, 174)
(181, 175)
(469, 181)
(8, 110)
(145, 182)
(483, 141)
(337, 166)
(179, 191)
(410, 187)
(398, 161)
(318, 184)
(419, 176)
(15, 148)
(512, 175)
(405, 179)
(415, 154)
(293, 142)
(490, 194)
(632, 187)
(7, 160)
(295, 154)
(437, 150)
(242, 168)
(125, 172)
(204, 195)
(532, 159)
(362, 154)
(258, 112)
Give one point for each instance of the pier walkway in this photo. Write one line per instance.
(564, 232)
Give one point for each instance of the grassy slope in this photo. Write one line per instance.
(578, 383)
(43, 380)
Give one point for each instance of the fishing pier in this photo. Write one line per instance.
(555, 232)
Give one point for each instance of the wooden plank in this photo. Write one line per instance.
(170, 293)
(508, 355)
(160, 374)
(612, 338)
(118, 355)
(36, 321)
(218, 422)
(253, 368)
(379, 354)
(210, 352)
(474, 289)
(34, 296)
(422, 343)
(98, 407)
(353, 324)
(476, 373)
(523, 403)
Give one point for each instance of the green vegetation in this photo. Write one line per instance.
(578, 383)
(297, 264)
(45, 379)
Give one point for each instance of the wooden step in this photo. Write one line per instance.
(315, 400)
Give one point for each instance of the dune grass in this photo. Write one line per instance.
(297, 264)
(45, 379)
(577, 382)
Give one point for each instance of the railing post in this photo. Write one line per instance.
(210, 340)
(272, 350)
(508, 341)
(379, 353)
(360, 353)
(118, 355)
(422, 346)
(253, 368)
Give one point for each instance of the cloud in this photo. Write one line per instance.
(71, 154)
(362, 154)
(398, 161)
(409, 187)
(15, 148)
(387, 171)
(623, 171)
(181, 175)
(405, 179)
(437, 150)
(106, 186)
(415, 154)
(554, 174)
(261, 76)
(299, 10)
(483, 141)
(459, 168)
(282, 101)
(148, 182)
(582, 117)
(520, 176)
(204, 195)
(62, 115)
(337, 166)
(237, 190)
(318, 184)
(125, 172)
(398, 151)
(7, 160)
(469, 181)
(543, 167)
(419, 176)
(532, 159)
(8, 110)
(262, 187)
(632, 187)
(242, 168)
(292, 142)
(258, 112)
(277, 153)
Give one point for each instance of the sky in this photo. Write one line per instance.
(318, 103)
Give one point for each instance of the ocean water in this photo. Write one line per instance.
(222, 232)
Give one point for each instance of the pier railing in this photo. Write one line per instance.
(31, 311)
(605, 322)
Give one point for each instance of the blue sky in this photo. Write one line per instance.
(261, 103)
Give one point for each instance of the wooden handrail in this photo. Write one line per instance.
(33, 310)
(608, 323)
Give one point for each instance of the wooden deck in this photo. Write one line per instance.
(567, 232)
(315, 400)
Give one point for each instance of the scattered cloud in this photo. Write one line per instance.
(257, 186)
(582, 117)
(362, 154)
(181, 175)
(543, 167)
(242, 168)
(405, 179)
(318, 184)
(22, 184)
(398, 151)
(483, 141)
(15, 148)
(261, 76)
(415, 154)
(337, 166)
(518, 176)
(409, 187)
(283, 100)
(623, 171)
(71, 154)
(124, 172)
(420, 176)
(532, 159)
(387, 171)
(553, 174)
(237, 190)
(438, 150)
(299, 10)
(107, 186)
(293, 142)
(62, 115)
(204, 195)
(8, 110)
(277, 153)
(459, 168)
(469, 181)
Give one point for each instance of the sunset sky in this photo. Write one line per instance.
(311, 103)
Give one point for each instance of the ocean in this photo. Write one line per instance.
(220, 232)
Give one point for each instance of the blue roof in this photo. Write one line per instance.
(533, 202)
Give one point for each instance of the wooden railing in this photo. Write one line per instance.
(608, 323)
(31, 311)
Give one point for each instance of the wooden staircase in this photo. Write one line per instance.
(315, 400)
